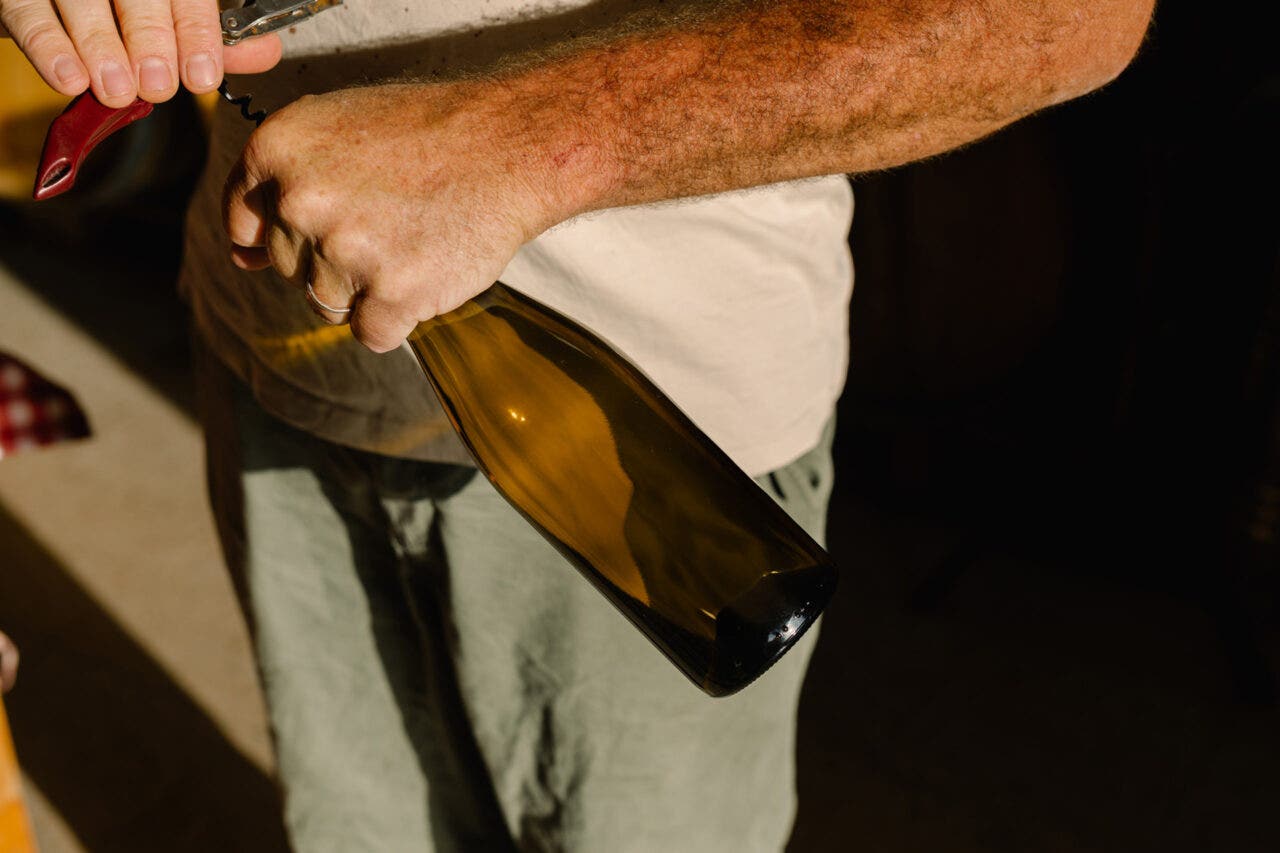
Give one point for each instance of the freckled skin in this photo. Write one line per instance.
(405, 200)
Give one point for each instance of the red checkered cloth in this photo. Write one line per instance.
(33, 411)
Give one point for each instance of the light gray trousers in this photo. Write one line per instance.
(440, 678)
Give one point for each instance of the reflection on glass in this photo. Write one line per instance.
(647, 507)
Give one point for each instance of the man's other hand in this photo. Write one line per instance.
(141, 48)
(398, 202)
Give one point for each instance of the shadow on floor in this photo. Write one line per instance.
(127, 758)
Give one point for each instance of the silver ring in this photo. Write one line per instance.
(315, 300)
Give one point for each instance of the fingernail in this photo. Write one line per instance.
(115, 79)
(67, 70)
(153, 75)
(202, 71)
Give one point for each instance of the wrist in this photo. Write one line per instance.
(550, 147)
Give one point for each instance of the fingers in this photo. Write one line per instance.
(329, 293)
(381, 326)
(34, 26)
(250, 258)
(147, 29)
(377, 323)
(244, 209)
(251, 216)
(8, 663)
(92, 27)
(253, 56)
(124, 49)
(199, 36)
(379, 309)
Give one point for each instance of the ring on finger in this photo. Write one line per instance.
(315, 300)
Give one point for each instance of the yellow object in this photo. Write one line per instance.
(15, 829)
(208, 102)
(27, 107)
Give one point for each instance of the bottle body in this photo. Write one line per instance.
(626, 487)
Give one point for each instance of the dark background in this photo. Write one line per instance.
(1058, 506)
(1059, 501)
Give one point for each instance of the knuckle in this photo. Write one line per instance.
(299, 204)
(101, 44)
(41, 38)
(274, 125)
(16, 19)
(147, 36)
(197, 29)
(389, 293)
(342, 246)
(259, 155)
(269, 137)
(254, 153)
(292, 115)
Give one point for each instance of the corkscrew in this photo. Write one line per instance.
(86, 122)
(257, 116)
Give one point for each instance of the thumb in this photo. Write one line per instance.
(253, 56)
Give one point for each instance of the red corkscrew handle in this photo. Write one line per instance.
(82, 125)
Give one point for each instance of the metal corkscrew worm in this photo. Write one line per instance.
(257, 116)
(256, 18)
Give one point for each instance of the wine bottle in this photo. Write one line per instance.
(626, 487)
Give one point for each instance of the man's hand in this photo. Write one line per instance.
(8, 663)
(142, 50)
(399, 202)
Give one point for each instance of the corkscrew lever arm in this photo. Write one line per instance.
(263, 16)
(86, 122)
(73, 135)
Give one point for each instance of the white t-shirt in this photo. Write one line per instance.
(736, 305)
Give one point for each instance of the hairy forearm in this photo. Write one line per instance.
(404, 200)
(746, 93)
